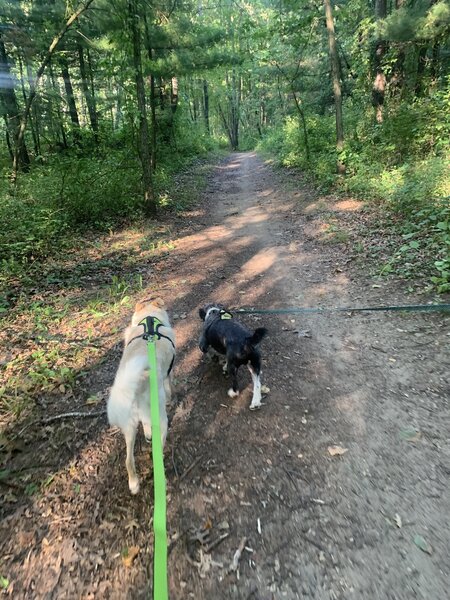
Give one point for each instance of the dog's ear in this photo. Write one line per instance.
(202, 313)
(159, 302)
(139, 306)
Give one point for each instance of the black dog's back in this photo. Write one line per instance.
(228, 335)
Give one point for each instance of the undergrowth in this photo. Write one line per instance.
(400, 167)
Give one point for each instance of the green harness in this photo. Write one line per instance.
(160, 589)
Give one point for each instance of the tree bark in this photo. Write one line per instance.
(144, 146)
(73, 112)
(37, 151)
(152, 97)
(206, 104)
(90, 99)
(58, 109)
(421, 64)
(379, 82)
(8, 138)
(336, 77)
(35, 116)
(11, 110)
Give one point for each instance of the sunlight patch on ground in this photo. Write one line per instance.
(348, 205)
(261, 262)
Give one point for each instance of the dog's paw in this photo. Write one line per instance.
(232, 393)
(133, 484)
(255, 405)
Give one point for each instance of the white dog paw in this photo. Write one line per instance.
(232, 393)
(134, 486)
(255, 405)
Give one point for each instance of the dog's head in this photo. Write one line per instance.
(153, 306)
(211, 310)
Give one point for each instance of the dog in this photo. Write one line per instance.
(129, 399)
(228, 337)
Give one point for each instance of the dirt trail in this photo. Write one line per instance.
(318, 526)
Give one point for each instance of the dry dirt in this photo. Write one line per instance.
(372, 522)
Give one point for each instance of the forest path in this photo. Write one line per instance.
(370, 523)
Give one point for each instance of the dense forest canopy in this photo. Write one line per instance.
(103, 101)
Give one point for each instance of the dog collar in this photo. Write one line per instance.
(224, 314)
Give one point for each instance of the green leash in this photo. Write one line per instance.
(160, 589)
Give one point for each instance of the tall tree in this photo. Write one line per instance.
(88, 92)
(379, 50)
(70, 96)
(336, 78)
(144, 138)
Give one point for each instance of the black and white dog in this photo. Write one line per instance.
(239, 345)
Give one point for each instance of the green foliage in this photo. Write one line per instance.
(287, 144)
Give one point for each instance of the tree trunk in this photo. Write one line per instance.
(90, 99)
(421, 64)
(379, 82)
(434, 66)
(206, 104)
(11, 110)
(58, 108)
(303, 120)
(144, 145)
(234, 111)
(35, 116)
(336, 76)
(152, 97)
(73, 113)
(32, 117)
(8, 138)
(174, 94)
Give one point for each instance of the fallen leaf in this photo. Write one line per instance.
(306, 333)
(421, 543)
(129, 554)
(265, 389)
(337, 450)
(398, 520)
(93, 400)
(133, 524)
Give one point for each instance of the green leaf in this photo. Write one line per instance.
(4, 583)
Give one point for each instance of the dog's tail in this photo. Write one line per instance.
(258, 335)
